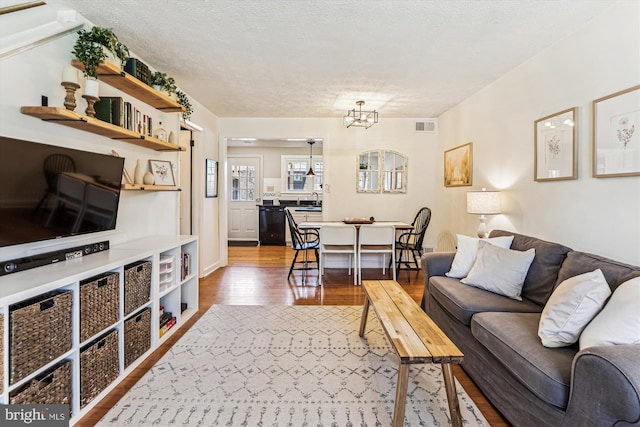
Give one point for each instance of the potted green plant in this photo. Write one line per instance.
(163, 83)
(88, 49)
(184, 101)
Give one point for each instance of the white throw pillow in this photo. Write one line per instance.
(468, 250)
(571, 307)
(619, 320)
(500, 270)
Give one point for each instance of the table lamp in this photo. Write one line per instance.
(483, 203)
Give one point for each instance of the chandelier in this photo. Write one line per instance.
(360, 118)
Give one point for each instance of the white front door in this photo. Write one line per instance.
(244, 196)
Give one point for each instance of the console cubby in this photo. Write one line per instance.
(133, 333)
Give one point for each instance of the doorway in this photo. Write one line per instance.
(245, 192)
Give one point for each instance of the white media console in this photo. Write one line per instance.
(173, 262)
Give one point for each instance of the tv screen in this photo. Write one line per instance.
(49, 192)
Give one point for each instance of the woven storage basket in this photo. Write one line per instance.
(49, 388)
(99, 298)
(99, 366)
(137, 336)
(39, 331)
(137, 285)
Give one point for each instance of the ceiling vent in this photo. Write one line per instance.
(426, 126)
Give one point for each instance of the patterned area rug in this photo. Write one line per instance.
(284, 366)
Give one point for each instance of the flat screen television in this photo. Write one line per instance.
(50, 192)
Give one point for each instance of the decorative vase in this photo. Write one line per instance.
(91, 87)
(148, 179)
(172, 137)
(138, 175)
(160, 133)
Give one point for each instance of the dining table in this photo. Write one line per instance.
(317, 225)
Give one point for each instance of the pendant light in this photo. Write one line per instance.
(311, 142)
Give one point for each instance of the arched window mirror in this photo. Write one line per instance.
(382, 170)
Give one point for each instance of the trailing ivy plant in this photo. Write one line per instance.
(184, 101)
(166, 83)
(88, 49)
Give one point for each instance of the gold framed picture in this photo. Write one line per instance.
(555, 146)
(616, 134)
(458, 166)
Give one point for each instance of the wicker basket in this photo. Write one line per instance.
(52, 387)
(99, 298)
(137, 336)
(99, 366)
(40, 331)
(137, 285)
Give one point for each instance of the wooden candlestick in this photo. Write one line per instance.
(70, 99)
(91, 112)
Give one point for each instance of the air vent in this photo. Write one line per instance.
(426, 126)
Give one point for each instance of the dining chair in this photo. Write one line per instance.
(305, 241)
(339, 239)
(409, 243)
(377, 239)
(69, 202)
(53, 165)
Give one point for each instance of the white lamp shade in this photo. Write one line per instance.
(483, 202)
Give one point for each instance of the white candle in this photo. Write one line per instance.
(70, 74)
(91, 87)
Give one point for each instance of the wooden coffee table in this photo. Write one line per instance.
(415, 339)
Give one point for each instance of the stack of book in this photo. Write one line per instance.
(114, 110)
(167, 320)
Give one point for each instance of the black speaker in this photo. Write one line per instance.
(26, 263)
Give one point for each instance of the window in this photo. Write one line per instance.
(243, 183)
(294, 173)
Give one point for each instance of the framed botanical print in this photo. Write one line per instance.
(555, 146)
(616, 134)
(162, 171)
(458, 166)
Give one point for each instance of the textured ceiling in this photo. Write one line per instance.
(316, 58)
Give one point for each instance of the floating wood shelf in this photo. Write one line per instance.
(119, 79)
(144, 187)
(65, 117)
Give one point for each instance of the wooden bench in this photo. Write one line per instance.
(415, 339)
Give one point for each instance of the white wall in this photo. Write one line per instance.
(600, 215)
(37, 71)
(340, 153)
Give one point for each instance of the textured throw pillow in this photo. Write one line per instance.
(571, 307)
(500, 270)
(467, 251)
(619, 320)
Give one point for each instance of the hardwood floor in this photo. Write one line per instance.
(257, 276)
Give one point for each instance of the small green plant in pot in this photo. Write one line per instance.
(184, 101)
(88, 49)
(164, 83)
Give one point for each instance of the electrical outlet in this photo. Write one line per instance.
(326, 188)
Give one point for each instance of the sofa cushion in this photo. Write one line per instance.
(571, 307)
(462, 301)
(500, 270)
(468, 250)
(580, 262)
(543, 272)
(513, 339)
(619, 321)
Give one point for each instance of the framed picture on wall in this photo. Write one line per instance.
(162, 172)
(458, 166)
(616, 134)
(211, 178)
(555, 146)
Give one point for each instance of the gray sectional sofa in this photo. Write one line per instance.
(532, 385)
